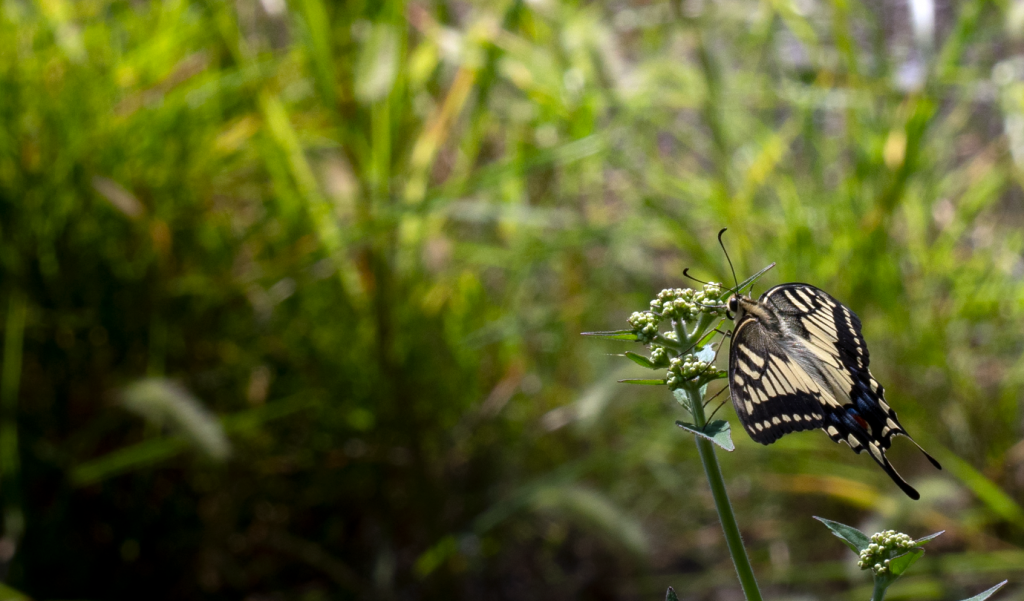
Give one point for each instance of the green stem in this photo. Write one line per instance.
(725, 514)
(879, 593)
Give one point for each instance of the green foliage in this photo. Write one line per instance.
(364, 237)
(888, 555)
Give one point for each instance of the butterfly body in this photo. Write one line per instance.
(797, 362)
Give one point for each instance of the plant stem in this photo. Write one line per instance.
(879, 593)
(725, 514)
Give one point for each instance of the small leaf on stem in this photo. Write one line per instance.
(718, 432)
(984, 595)
(899, 565)
(670, 595)
(928, 538)
(614, 334)
(639, 360)
(855, 539)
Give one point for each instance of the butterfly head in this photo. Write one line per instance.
(739, 305)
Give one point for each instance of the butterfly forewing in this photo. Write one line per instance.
(773, 395)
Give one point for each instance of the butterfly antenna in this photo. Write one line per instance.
(733, 269)
(691, 277)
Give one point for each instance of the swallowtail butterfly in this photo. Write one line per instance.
(798, 361)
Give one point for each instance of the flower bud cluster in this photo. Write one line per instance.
(659, 356)
(645, 325)
(684, 369)
(884, 546)
(686, 304)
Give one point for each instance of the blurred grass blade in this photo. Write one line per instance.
(9, 594)
(670, 595)
(642, 382)
(118, 197)
(377, 64)
(988, 492)
(165, 403)
(317, 30)
(149, 452)
(591, 508)
(436, 555)
(10, 464)
(135, 457)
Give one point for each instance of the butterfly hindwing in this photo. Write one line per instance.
(832, 333)
(825, 336)
(773, 395)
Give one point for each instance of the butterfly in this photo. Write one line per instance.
(798, 361)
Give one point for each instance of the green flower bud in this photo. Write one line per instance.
(645, 325)
(687, 368)
(884, 546)
(687, 304)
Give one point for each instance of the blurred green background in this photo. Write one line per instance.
(290, 291)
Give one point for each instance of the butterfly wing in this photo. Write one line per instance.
(773, 395)
(833, 346)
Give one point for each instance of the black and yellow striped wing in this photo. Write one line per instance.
(814, 344)
(772, 393)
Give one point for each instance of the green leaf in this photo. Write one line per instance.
(643, 382)
(670, 595)
(718, 432)
(682, 398)
(640, 360)
(613, 335)
(928, 538)
(899, 565)
(747, 282)
(984, 595)
(706, 354)
(855, 539)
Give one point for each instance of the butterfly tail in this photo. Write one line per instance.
(906, 488)
(930, 458)
(879, 456)
(860, 440)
